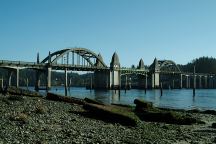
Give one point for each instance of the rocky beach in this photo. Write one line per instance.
(27, 119)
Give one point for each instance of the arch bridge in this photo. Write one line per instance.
(82, 59)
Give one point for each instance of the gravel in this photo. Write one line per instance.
(37, 120)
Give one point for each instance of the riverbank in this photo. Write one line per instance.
(38, 120)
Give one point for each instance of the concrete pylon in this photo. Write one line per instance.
(49, 78)
(17, 78)
(9, 77)
(101, 78)
(155, 74)
(141, 78)
(37, 75)
(115, 76)
(141, 65)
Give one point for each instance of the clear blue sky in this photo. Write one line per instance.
(180, 30)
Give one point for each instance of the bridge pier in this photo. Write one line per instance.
(210, 82)
(155, 74)
(49, 76)
(66, 82)
(200, 81)
(115, 79)
(155, 80)
(115, 74)
(37, 78)
(126, 83)
(101, 79)
(146, 82)
(181, 85)
(2, 83)
(17, 78)
(187, 81)
(206, 81)
(9, 76)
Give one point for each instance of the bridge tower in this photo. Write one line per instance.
(49, 72)
(37, 83)
(141, 78)
(155, 74)
(101, 77)
(115, 77)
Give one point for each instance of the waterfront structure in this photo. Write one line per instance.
(160, 73)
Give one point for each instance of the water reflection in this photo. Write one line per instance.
(116, 94)
(180, 99)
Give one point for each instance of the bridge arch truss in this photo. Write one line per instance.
(75, 57)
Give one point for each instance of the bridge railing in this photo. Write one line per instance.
(17, 62)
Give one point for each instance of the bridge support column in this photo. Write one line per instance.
(181, 81)
(115, 73)
(200, 81)
(37, 83)
(9, 77)
(17, 78)
(194, 82)
(2, 82)
(37, 76)
(126, 84)
(155, 80)
(66, 82)
(206, 81)
(141, 81)
(146, 81)
(115, 79)
(101, 79)
(49, 72)
(187, 81)
(210, 82)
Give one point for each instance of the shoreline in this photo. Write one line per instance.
(38, 120)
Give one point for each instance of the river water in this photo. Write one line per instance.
(177, 99)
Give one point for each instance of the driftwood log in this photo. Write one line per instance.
(140, 105)
(88, 100)
(20, 92)
(147, 112)
(112, 114)
(57, 97)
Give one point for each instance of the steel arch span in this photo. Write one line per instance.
(168, 66)
(75, 56)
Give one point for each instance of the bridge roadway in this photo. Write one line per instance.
(43, 66)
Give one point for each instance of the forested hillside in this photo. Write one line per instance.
(202, 65)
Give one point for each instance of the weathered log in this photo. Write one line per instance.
(88, 100)
(57, 97)
(140, 104)
(21, 92)
(213, 125)
(112, 114)
(213, 112)
(122, 105)
(147, 112)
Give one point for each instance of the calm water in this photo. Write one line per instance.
(178, 99)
